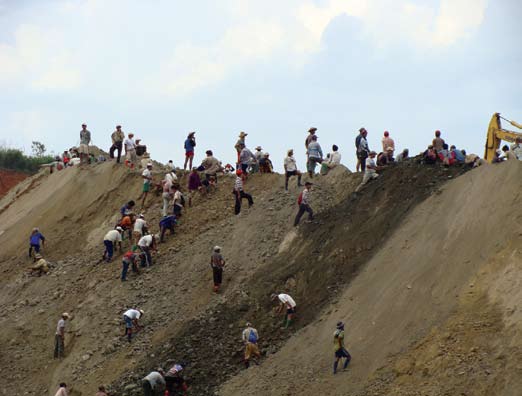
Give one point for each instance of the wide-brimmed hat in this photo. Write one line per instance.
(217, 248)
(192, 133)
(242, 134)
(259, 148)
(65, 315)
(313, 129)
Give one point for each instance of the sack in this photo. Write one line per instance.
(252, 337)
(300, 199)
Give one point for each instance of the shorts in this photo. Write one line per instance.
(146, 187)
(83, 149)
(189, 154)
(128, 322)
(290, 311)
(291, 173)
(342, 353)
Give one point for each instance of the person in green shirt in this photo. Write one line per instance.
(340, 350)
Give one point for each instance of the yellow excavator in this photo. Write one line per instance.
(496, 134)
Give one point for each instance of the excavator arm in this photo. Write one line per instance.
(496, 134)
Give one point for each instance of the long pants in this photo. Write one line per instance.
(125, 269)
(239, 197)
(109, 250)
(163, 230)
(58, 346)
(146, 258)
(115, 146)
(36, 249)
(362, 158)
(217, 274)
(288, 176)
(312, 162)
(147, 389)
(166, 198)
(303, 208)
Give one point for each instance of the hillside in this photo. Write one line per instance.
(421, 265)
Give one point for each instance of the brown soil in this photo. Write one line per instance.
(9, 179)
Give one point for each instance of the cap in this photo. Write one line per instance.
(35, 229)
(149, 164)
(259, 148)
(65, 315)
(119, 229)
(141, 311)
(217, 248)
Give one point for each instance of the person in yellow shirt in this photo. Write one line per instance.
(340, 350)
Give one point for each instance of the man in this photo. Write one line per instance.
(438, 142)
(265, 164)
(178, 201)
(170, 166)
(311, 134)
(259, 153)
(131, 318)
(109, 240)
(127, 225)
(154, 384)
(362, 148)
(240, 194)
(304, 204)
(385, 158)
(516, 148)
(147, 244)
(194, 184)
(101, 391)
(34, 241)
(403, 156)
(290, 166)
(237, 146)
(129, 259)
(117, 143)
(430, 155)
(211, 166)
(167, 223)
(370, 170)
(190, 143)
(250, 337)
(59, 337)
(246, 157)
(314, 154)
(167, 188)
(288, 303)
(140, 228)
(387, 141)
(333, 159)
(217, 263)
(130, 151)
(340, 350)
(40, 266)
(175, 381)
(146, 175)
(457, 155)
(62, 390)
(85, 140)
(127, 208)
(508, 154)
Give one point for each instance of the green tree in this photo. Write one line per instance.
(38, 149)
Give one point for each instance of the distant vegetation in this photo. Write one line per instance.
(16, 160)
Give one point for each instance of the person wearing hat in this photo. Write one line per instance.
(304, 204)
(239, 194)
(386, 157)
(265, 164)
(237, 146)
(217, 263)
(370, 171)
(258, 153)
(387, 142)
(117, 143)
(154, 384)
(175, 381)
(85, 140)
(290, 166)
(109, 240)
(178, 201)
(190, 143)
(311, 134)
(40, 265)
(59, 345)
(130, 151)
(146, 175)
(34, 241)
(339, 349)
(250, 337)
(363, 149)
(314, 154)
(147, 244)
(288, 303)
(131, 318)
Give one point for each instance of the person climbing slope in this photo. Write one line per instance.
(109, 240)
(147, 244)
(288, 303)
(59, 337)
(129, 259)
(239, 193)
(34, 241)
(131, 317)
(340, 350)
(304, 204)
(217, 263)
(250, 337)
(167, 223)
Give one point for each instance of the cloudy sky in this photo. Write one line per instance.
(272, 68)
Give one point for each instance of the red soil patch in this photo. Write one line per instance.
(9, 179)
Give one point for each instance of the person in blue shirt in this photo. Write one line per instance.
(34, 241)
(459, 156)
(127, 209)
(190, 143)
(167, 223)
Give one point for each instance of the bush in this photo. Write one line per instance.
(16, 160)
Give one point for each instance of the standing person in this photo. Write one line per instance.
(154, 384)
(62, 390)
(140, 228)
(59, 337)
(175, 381)
(387, 142)
(240, 194)
(438, 142)
(194, 184)
(217, 263)
(339, 349)
(85, 140)
(101, 391)
(178, 201)
(190, 143)
(34, 241)
(362, 148)
(370, 170)
(291, 169)
(357, 143)
(311, 134)
(167, 223)
(130, 151)
(250, 337)
(315, 155)
(304, 204)
(332, 160)
(129, 259)
(131, 318)
(240, 141)
(110, 239)
(211, 166)
(147, 244)
(167, 193)
(265, 164)
(146, 175)
(246, 157)
(117, 143)
(288, 303)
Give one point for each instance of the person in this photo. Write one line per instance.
(304, 204)
(387, 141)
(101, 391)
(332, 160)
(288, 303)
(385, 158)
(178, 201)
(131, 318)
(85, 140)
(117, 143)
(194, 184)
(140, 228)
(154, 383)
(497, 158)
(370, 171)
(237, 146)
(438, 142)
(516, 148)
(174, 380)
(239, 193)
(265, 165)
(127, 208)
(190, 143)
(259, 153)
(211, 166)
(59, 337)
(34, 241)
(146, 244)
(167, 223)
(66, 158)
(250, 337)
(403, 156)
(357, 143)
(167, 193)
(147, 180)
(40, 266)
(170, 166)
(246, 157)
(508, 154)
(457, 154)
(129, 259)
(290, 166)
(311, 134)
(109, 240)
(362, 148)
(339, 349)
(444, 155)
(217, 263)
(127, 225)
(130, 151)
(430, 155)
(62, 390)
(314, 154)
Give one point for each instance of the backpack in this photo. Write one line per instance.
(300, 199)
(252, 337)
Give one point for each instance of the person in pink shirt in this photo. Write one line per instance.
(62, 390)
(387, 141)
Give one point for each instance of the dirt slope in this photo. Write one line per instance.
(9, 179)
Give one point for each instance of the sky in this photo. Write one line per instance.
(271, 68)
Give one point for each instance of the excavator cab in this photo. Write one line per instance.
(496, 134)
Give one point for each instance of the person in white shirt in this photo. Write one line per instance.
(130, 151)
(167, 193)
(239, 194)
(59, 337)
(140, 227)
(177, 201)
(62, 390)
(146, 175)
(112, 237)
(370, 171)
(131, 318)
(146, 244)
(154, 384)
(288, 303)
(332, 160)
(291, 169)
